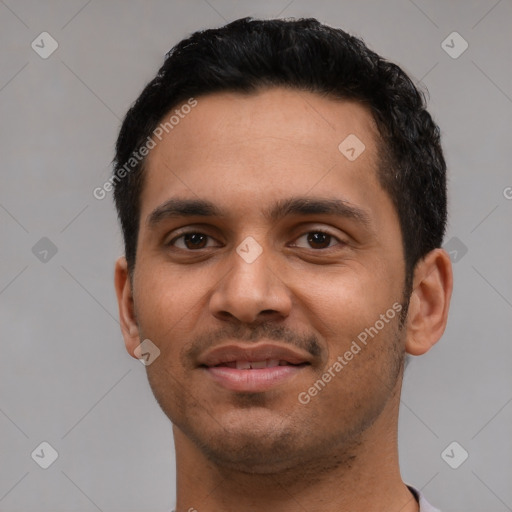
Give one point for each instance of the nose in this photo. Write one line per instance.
(251, 291)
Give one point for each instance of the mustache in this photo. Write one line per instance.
(265, 331)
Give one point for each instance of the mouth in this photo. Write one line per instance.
(256, 365)
(255, 368)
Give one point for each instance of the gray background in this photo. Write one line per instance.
(65, 376)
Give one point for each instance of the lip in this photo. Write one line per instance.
(253, 380)
(237, 352)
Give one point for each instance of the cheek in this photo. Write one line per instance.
(362, 368)
(346, 309)
(342, 302)
(166, 312)
(165, 304)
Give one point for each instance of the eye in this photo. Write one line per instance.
(191, 240)
(195, 240)
(320, 239)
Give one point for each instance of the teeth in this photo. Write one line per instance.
(257, 365)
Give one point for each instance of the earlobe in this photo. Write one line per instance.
(127, 319)
(429, 303)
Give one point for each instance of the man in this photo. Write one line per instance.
(282, 194)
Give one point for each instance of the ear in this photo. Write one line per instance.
(127, 318)
(430, 301)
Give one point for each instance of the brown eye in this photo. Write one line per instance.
(319, 240)
(192, 240)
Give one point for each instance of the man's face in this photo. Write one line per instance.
(297, 287)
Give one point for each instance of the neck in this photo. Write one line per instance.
(363, 477)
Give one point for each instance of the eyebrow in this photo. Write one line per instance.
(293, 206)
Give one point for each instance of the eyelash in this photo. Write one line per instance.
(181, 235)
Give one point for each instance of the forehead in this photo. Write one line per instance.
(246, 148)
(289, 116)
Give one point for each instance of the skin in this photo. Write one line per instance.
(266, 450)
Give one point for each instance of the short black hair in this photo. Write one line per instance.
(248, 55)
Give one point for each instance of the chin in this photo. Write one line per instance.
(251, 455)
(278, 446)
(250, 441)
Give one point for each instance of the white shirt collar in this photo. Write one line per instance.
(425, 506)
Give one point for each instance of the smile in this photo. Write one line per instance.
(253, 368)
(255, 365)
